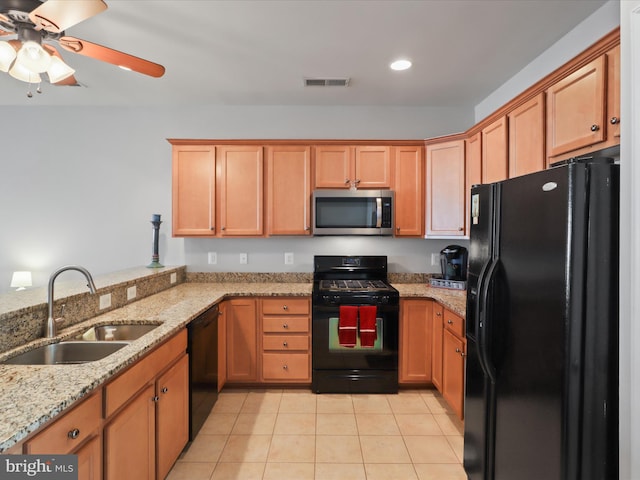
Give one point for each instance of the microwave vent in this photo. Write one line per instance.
(326, 82)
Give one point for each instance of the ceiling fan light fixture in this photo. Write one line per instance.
(58, 70)
(33, 57)
(7, 56)
(20, 72)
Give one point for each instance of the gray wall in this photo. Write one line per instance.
(79, 185)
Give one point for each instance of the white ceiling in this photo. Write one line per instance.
(257, 52)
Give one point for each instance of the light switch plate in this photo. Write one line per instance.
(288, 258)
(435, 259)
(105, 301)
(131, 293)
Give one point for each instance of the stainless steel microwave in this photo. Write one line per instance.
(352, 212)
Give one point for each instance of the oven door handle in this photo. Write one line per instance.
(379, 212)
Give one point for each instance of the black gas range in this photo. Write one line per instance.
(354, 325)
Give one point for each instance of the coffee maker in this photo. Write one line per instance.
(453, 262)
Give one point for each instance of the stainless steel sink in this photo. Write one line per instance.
(123, 332)
(66, 353)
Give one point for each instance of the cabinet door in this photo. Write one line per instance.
(289, 190)
(193, 191)
(129, 439)
(445, 189)
(240, 182)
(473, 170)
(242, 340)
(494, 151)
(613, 95)
(526, 138)
(409, 191)
(372, 167)
(333, 166)
(576, 109)
(90, 460)
(436, 348)
(222, 345)
(453, 372)
(415, 341)
(172, 428)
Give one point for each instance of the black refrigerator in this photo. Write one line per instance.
(541, 392)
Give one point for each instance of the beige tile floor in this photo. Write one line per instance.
(296, 434)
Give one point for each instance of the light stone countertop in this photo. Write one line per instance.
(31, 395)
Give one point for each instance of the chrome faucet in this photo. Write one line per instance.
(51, 322)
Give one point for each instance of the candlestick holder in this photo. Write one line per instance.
(155, 257)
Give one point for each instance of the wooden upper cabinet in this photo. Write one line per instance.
(340, 166)
(288, 190)
(240, 177)
(526, 138)
(193, 172)
(409, 191)
(445, 189)
(333, 166)
(473, 170)
(576, 109)
(494, 151)
(372, 167)
(613, 95)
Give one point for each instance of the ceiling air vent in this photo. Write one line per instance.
(326, 82)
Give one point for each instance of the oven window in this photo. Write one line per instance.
(334, 339)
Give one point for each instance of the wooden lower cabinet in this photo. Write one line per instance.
(453, 352)
(130, 439)
(415, 341)
(242, 340)
(436, 346)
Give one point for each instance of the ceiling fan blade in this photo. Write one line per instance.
(71, 80)
(112, 56)
(58, 15)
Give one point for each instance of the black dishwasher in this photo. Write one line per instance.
(203, 367)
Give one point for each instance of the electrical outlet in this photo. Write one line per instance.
(213, 258)
(288, 258)
(435, 259)
(173, 278)
(105, 301)
(131, 293)
(244, 259)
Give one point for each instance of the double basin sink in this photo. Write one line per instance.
(94, 344)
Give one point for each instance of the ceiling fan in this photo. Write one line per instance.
(39, 24)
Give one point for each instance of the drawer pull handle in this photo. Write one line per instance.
(285, 325)
(285, 344)
(285, 307)
(164, 390)
(73, 434)
(285, 367)
(155, 398)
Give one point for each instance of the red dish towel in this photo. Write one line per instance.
(348, 325)
(368, 327)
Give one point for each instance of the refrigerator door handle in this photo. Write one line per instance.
(484, 328)
(480, 307)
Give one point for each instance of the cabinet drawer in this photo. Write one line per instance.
(126, 385)
(285, 342)
(66, 433)
(454, 323)
(285, 306)
(285, 324)
(285, 366)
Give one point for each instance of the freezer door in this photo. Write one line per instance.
(530, 342)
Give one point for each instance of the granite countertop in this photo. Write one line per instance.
(31, 395)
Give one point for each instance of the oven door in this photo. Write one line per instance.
(344, 369)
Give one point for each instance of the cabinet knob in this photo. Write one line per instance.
(223, 228)
(450, 322)
(397, 229)
(357, 182)
(306, 229)
(438, 314)
(346, 182)
(285, 367)
(462, 354)
(595, 128)
(461, 229)
(212, 228)
(614, 120)
(285, 307)
(73, 434)
(284, 344)
(164, 390)
(155, 398)
(285, 325)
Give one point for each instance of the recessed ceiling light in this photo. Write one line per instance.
(400, 65)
